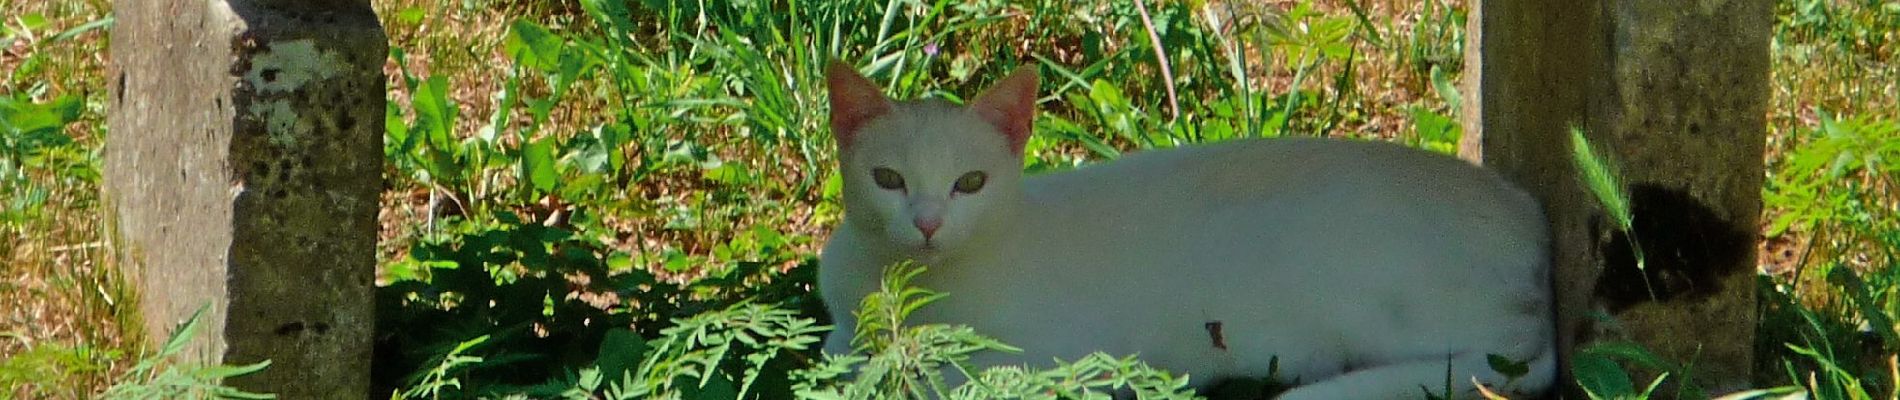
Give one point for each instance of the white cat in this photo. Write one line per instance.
(1368, 269)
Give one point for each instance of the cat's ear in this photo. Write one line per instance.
(854, 101)
(1010, 106)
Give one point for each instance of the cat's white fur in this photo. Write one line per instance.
(1366, 268)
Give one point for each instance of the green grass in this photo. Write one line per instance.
(639, 164)
(1831, 233)
(63, 302)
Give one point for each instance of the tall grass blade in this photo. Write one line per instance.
(1599, 176)
(1855, 288)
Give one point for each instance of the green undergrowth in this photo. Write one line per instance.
(163, 375)
(766, 350)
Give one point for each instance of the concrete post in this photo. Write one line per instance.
(242, 171)
(1677, 93)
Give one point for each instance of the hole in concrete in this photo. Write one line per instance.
(1687, 250)
(118, 94)
(290, 328)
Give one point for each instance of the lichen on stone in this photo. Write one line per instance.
(288, 65)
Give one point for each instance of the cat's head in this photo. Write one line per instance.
(927, 175)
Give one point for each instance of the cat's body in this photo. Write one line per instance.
(1365, 268)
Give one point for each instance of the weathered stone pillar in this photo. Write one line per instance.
(242, 172)
(1676, 92)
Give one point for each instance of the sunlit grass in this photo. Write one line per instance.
(64, 306)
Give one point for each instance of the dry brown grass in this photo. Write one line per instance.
(59, 288)
(62, 289)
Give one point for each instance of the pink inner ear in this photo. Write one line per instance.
(854, 101)
(1010, 106)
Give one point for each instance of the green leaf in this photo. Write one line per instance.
(31, 21)
(614, 138)
(539, 108)
(1435, 132)
(1629, 351)
(532, 45)
(590, 158)
(717, 386)
(435, 113)
(1107, 96)
(573, 64)
(619, 261)
(228, 371)
(834, 187)
(182, 334)
(1441, 82)
(1600, 377)
(676, 261)
(69, 34)
(1856, 290)
(620, 352)
(34, 118)
(466, 345)
(730, 174)
(1507, 366)
(537, 165)
(396, 138)
(1063, 129)
(613, 16)
(411, 15)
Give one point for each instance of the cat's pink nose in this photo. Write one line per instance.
(928, 226)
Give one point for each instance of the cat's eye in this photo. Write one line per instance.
(886, 178)
(971, 182)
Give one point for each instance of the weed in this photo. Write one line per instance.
(157, 377)
(37, 372)
(756, 350)
(894, 360)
